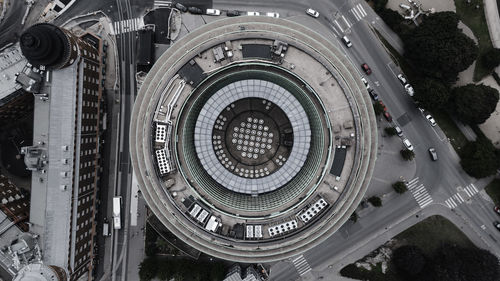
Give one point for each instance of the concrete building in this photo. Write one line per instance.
(65, 152)
(253, 139)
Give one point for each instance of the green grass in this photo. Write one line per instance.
(428, 235)
(457, 138)
(493, 190)
(476, 21)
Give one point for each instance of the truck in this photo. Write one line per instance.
(117, 205)
(105, 228)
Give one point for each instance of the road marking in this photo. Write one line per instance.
(358, 12)
(128, 25)
(346, 22)
(419, 192)
(301, 265)
(337, 23)
(458, 198)
(356, 15)
(162, 4)
(483, 227)
(361, 10)
(450, 203)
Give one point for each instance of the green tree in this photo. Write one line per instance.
(480, 158)
(379, 5)
(164, 272)
(438, 48)
(431, 93)
(407, 154)
(390, 131)
(408, 260)
(375, 201)
(354, 217)
(491, 59)
(394, 20)
(378, 108)
(399, 187)
(474, 104)
(217, 271)
(148, 269)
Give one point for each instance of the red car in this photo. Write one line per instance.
(497, 210)
(388, 116)
(383, 105)
(366, 68)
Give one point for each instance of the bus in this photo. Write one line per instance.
(117, 205)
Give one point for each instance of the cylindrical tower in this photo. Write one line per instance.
(49, 46)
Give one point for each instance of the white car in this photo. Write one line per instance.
(253, 14)
(213, 12)
(407, 144)
(409, 90)
(312, 13)
(431, 120)
(273, 15)
(347, 42)
(365, 82)
(402, 79)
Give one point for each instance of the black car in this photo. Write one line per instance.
(497, 225)
(233, 13)
(373, 94)
(195, 10)
(181, 7)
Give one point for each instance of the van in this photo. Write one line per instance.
(105, 229)
(347, 42)
(399, 132)
(213, 12)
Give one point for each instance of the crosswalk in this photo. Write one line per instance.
(457, 198)
(162, 4)
(124, 26)
(359, 12)
(301, 265)
(419, 192)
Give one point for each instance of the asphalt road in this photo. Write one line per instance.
(10, 27)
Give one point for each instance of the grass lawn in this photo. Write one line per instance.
(493, 190)
(476, 21)
(428, 235)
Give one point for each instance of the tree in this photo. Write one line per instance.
(354, 217)
(379, 5)
(474, 104)
(375, 201)
(399, 187)
(491, 59)
(217, 271)
(431, 93)
(408, 260)
(390, 131)
(407, 154)
(394, 20)
(378, 108)
(438, 48)
(148, 269)
(480, 158)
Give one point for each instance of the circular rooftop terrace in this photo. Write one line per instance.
(253, 139)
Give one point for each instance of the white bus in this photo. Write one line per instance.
(117, 205)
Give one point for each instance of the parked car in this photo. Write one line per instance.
(373, 94)
(409, 90)
(497, 210)
(347, 42)
(366, 69)
(388, 116)
(181, 7)
(407, 144)
(233, 13)
(312, 13)
(431, 120)
(213, 12)
(433, 153)
(253, 14)
(399, 132)
(365, 82)
(195, 10)
(273, 15)
(497, 225)
(402, 79)
(383, 105)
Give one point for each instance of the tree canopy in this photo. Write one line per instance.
(399, 187)
(431, 94)
(438, 48)
(409, 260)
(491, 59)
(480, 158)
(474, 104)
(375, 201)
(407, 154)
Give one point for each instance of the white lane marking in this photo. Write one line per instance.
(361, 10)
(346, 22)
(336, 22)
(356, 15)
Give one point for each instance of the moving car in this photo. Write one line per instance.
(407, 144)
(273, 15)
(233, 13)
(253, 14)
(347, 42)
(409, 90)
(402, 79)
(195, 10)
(497, 210)
(213, 12)
(399, 132)
(431, 120)
(433, 153)
(366, 68)
(181, 7)
(497, 225)
(388, 116)
(373, 94)
(312, 13)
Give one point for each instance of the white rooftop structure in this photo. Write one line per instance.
(11, 62)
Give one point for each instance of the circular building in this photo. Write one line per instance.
(253, 139)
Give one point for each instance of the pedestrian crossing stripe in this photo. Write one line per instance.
(419, 192)
(457, 199)
(128, 25)
(162, 4)
(359, 12)
(301, 265)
